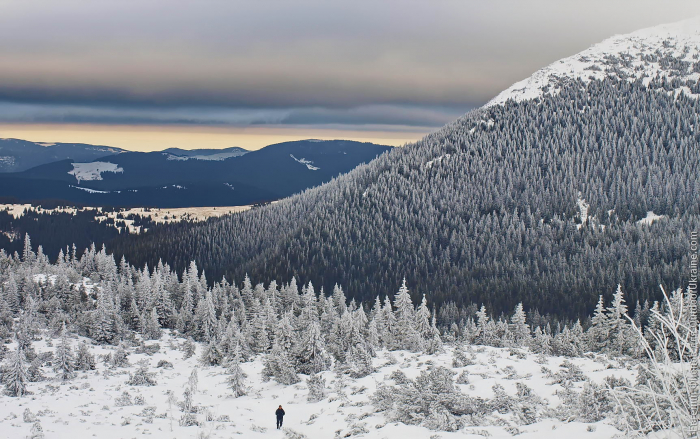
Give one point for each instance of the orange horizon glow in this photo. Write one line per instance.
(146, 138)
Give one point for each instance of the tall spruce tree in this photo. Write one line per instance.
(64, 363)
(15, 377)
(311, 355)
(236, 376)
(405, 334)
(519, 327)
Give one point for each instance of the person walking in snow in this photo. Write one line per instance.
(280, 415)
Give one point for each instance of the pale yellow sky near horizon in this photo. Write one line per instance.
(156, 138)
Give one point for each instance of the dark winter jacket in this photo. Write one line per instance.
(279, 413)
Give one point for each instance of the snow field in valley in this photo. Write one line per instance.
(158, 216)
(87, 406)
(93, 170)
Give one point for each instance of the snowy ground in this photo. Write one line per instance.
(637, 55)
(86, 406)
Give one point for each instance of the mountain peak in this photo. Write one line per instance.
(660, 52)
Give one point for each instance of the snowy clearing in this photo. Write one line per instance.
(303, 161)
(429, 163)
(93, 170)
(650, 218)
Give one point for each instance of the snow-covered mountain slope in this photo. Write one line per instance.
(19, 155)
(623, 145)
(101, 403)
(232, 177)
(669, 51)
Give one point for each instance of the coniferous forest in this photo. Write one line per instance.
(526, 269)
(296, 333)
(538, 202)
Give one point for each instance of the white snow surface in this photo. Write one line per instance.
(429, 163)
(582, 210)
(303, 161)
(93, 170)
(213, 157)
(650, 218)
(91, 191)
(85, 407)
(636, 55)
(7, 160)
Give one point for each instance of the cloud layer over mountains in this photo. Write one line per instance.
(302, 63)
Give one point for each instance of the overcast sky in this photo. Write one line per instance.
(153, 74)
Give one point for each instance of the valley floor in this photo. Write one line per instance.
(157, 215)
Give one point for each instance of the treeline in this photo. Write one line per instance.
(95, 297)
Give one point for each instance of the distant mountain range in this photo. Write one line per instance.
(208, 154)
(175, 177)
(19, 155)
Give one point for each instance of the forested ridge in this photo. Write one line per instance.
(486, 210)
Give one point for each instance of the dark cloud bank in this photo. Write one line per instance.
(358, 63)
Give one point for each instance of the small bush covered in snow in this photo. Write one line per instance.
(124, 400)
(291, 434)
(189, 420)
(142, 377)
(36, 432)
(119, 358)
(164, 364)
(28, 416)
(149, 349)
(432, 399)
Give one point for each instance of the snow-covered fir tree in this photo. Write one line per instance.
(15, 376)
(84, 359)
(236, 376)
(317, 388)
(64, 362)
(405, 334)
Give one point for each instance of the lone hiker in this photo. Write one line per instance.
(280, 415)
